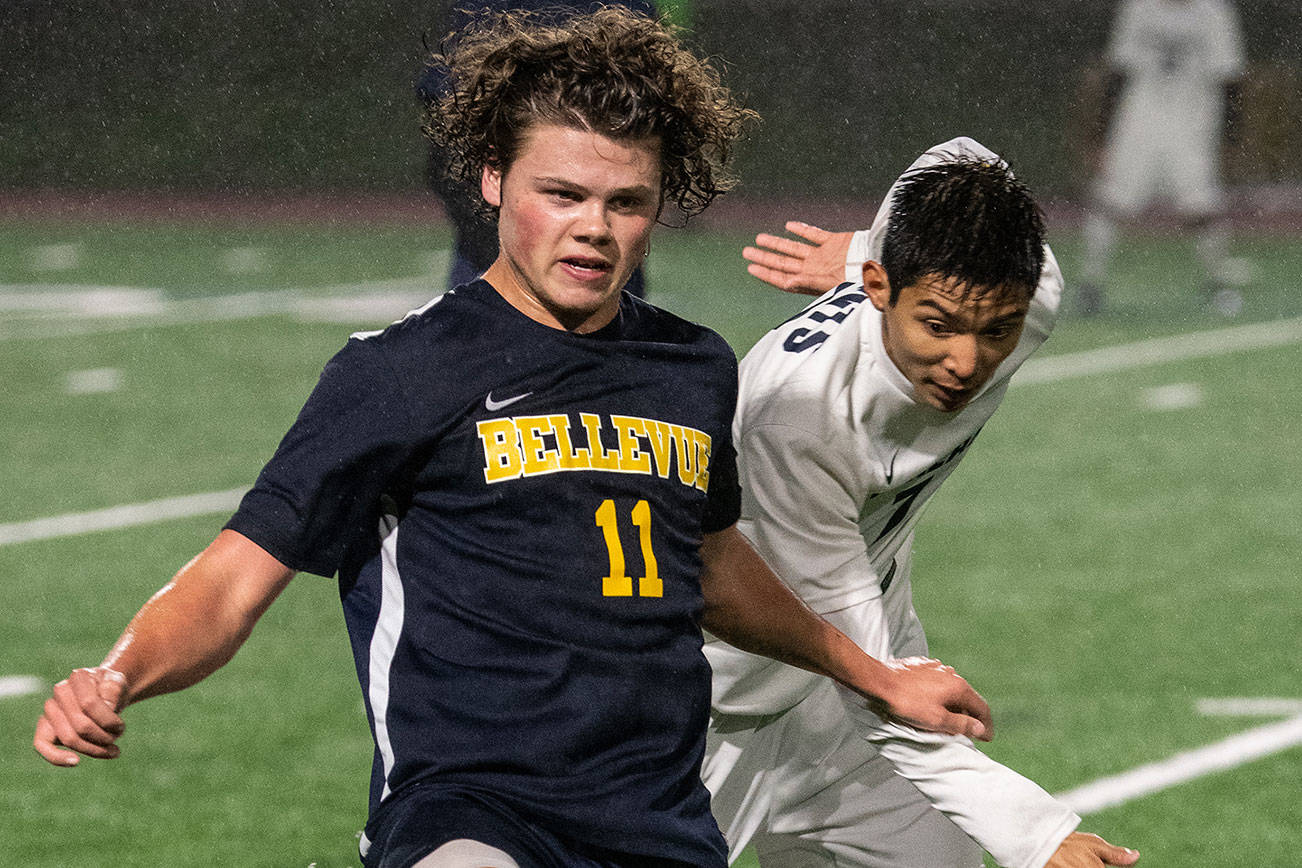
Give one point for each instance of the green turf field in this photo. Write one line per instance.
(1117, 546)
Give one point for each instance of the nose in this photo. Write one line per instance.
(592, 223)
(963, 357)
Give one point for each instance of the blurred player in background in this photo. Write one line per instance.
(474, 246)
(1172, 99)
(528, 491)
(851, 414)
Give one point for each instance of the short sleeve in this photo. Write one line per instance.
(1125, 50)
(723, 504)
(321, 490)
(1225, 56)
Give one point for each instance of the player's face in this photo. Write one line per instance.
(577, 209)
(945, 342)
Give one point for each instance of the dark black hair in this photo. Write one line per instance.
(969, 220)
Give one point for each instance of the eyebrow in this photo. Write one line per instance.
(931, 303)
(642, 190)
(549, 179)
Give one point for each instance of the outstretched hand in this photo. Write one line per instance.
(81, 717)
(1082, 850)
(931, 696)
(794, 266)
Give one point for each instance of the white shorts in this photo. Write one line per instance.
(808, 790)
(1139, 169)
(830, 800)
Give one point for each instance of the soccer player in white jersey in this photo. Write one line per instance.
(1174, 67)
(851, 414)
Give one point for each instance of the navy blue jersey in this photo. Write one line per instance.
(515, 514)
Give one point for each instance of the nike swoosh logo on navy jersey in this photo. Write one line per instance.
(494, 406)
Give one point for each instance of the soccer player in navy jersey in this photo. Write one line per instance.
(528, 492)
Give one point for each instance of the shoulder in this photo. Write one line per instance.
(1221, 12)
(833, 314)
(644, 322)
(825, 335)
(810, 390)
(450, 307)
(452, 326)
(1132, 13)
(431, 356)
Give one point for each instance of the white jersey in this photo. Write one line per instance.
(1176, 56)
(837, 461)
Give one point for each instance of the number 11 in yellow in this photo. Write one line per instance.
(618, 583)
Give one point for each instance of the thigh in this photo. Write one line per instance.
(1196, 188)
(1128, 180)
(872, 819)
(736, 772)
(792, 851)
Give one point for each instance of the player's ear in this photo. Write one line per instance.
(876, 284)
(490, 185)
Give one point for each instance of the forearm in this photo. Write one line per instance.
(173, 643)
(196, 623)
(1010, 816)
(749, 607)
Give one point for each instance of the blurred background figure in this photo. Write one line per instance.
(1172, 97)
(475, 244)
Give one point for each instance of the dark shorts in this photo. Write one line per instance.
(431, 815)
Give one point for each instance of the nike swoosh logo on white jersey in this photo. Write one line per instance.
(494, 406)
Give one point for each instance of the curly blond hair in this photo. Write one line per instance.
(613, 72)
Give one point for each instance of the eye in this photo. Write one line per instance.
(627, 203)
(937, 327)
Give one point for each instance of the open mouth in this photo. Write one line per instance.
(951, 398)
(587, 265)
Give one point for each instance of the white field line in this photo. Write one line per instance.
(64, 311)
(1156, 351)
(117, 517)
(61, 299)
(1229, 753)
(20, 685)
(1253, 706)
(1237, 749)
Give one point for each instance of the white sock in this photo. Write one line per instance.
(1213, 248)
(1100, 238)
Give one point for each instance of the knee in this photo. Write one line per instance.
(464, 853)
